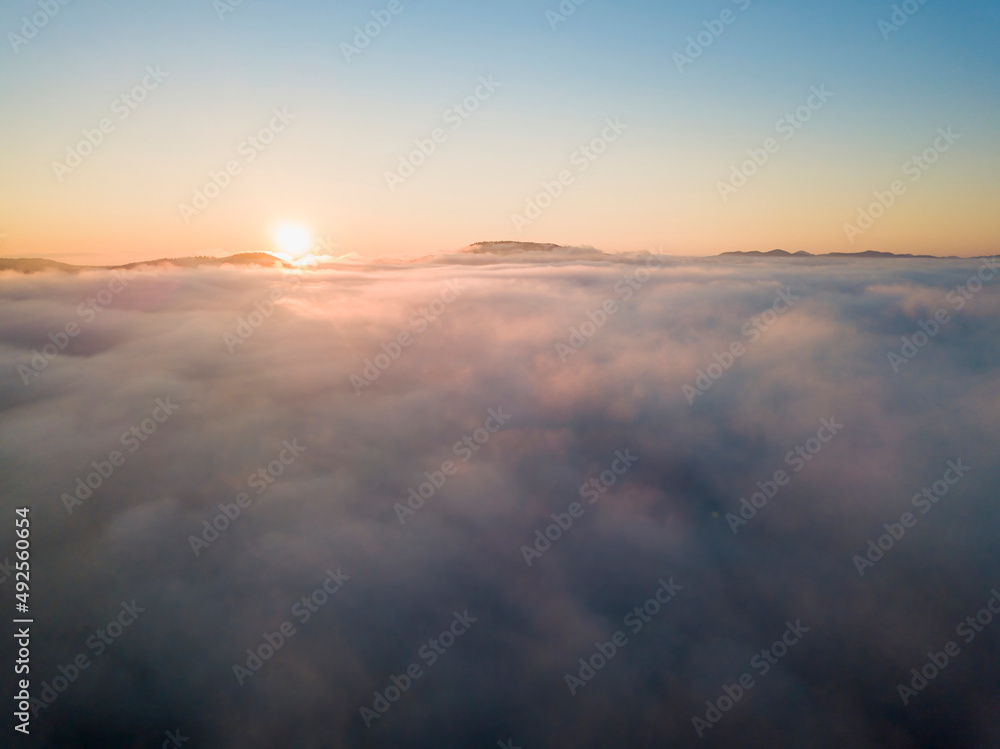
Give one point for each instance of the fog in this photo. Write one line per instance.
(311, 403)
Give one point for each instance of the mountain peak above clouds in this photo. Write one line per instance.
(478, 253)
(34, 265)
(801, 253)
(510, 247)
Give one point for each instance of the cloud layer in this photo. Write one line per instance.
(287, 403)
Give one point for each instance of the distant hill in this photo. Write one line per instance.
(504, 248)
(34, 265)
(801, 253)
(243, 258)
(509, 247)
(770, 253)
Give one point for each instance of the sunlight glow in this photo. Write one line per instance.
(293, 239)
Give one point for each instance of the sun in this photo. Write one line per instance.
(293, 239)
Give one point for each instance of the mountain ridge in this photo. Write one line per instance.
(501, 248)
(35, 265)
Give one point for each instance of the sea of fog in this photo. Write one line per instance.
(559, 501)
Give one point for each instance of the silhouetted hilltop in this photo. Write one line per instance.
(801, 253)
(509, 247)
(34, 265)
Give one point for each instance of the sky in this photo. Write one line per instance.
(357, 107)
